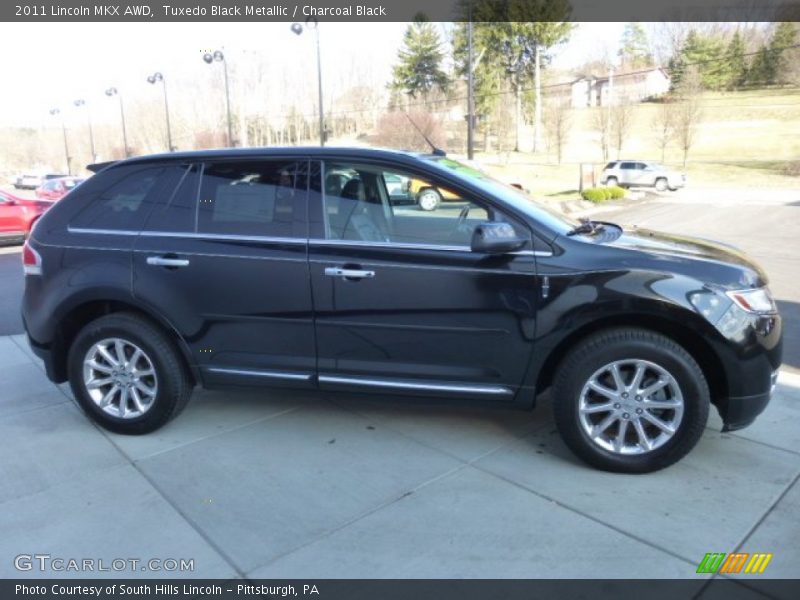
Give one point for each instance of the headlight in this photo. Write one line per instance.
(755, 301)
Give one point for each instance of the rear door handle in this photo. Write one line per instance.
(349, 273)
(161, 261)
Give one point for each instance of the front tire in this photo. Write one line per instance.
(630, 401)
(127, 375)
(661, 184)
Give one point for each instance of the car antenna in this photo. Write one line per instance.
(436, 151)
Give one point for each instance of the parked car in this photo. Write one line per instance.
(427, 196)
(240, 267)
(31, 181)
(628, 173)
(55, 189)
(17, 216)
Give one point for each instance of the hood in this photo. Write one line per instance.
(734, 267)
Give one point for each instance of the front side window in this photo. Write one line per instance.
(258, 198)
(371, 204)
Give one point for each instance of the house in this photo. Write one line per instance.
(629, 87)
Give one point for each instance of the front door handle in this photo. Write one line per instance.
(163, 261)
(349, 273)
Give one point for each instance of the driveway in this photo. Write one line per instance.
(271, 485)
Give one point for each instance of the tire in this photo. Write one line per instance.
(612, 182)
(661, 359)
(429, 199)
(661, 184)
(169, 387)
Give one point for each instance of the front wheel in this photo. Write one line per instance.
(127, 375)
(630, 401)
(661, 184)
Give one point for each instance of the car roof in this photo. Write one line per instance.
(260, 152)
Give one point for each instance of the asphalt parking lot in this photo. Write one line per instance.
(269, 485)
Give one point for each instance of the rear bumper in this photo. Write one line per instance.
(46, 354)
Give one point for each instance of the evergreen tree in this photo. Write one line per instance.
(707, 54)
(419, 71)
(762, 71)
(736, 65)
(782, 39)
(634, 49)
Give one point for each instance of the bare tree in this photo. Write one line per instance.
(622, 115)
(600, 124)
(664, 126)
(557, 123)
(688, 112)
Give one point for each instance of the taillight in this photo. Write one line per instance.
(31, 260)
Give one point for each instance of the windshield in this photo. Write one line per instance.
(517, 198)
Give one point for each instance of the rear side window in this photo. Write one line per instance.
(122, 202)
(257, 198)
(627, 165)
(176, 211)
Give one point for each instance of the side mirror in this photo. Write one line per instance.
(496, 238)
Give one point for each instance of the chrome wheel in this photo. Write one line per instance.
(631, 406)
(429, 200)
(120, 378)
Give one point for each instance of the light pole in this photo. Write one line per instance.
(54, 112)
(297, 28)
(470, 91)
(111, 92)
(155, 78)
(218, 56)
(80, 102)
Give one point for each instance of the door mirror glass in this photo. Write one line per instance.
(496, 238)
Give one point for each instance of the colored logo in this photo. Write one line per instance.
(734, 563)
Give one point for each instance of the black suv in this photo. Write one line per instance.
(292, 268)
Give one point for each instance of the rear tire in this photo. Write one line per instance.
(612, 182)
(127, 375)
(591, 412)
(429, 199)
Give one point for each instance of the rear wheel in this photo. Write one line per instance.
(429, 199)
(612, 182)
(127, 375)
(630, 400)
(661, 184)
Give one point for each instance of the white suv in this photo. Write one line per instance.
(628, 173)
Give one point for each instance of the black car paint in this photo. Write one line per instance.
(431, 320)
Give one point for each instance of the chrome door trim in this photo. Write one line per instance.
(410, 246)
(499, 390)
(259, 373)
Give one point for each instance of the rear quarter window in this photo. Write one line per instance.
(122, 197)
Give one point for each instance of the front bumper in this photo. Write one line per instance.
(742, 411)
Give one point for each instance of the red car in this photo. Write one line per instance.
(55, 189)
(17, 216)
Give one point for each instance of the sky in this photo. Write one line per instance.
(50, 65)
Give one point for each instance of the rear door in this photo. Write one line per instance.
(401, 302)
(225, 260)
(10, 217)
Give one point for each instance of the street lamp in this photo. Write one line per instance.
(54, 112)
(297, 28)
(218, 56)
(155, 78)
(80, 102)
(111, 92)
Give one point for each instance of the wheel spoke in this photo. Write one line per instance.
(597, 408)
(109, 396)
(137, 354)
(137, 400)
(644, 442)
(119, 349)
(145, 373)
(602, 390)
(604, 424)
(151, 392)
(103, 350)
(661, 404)
(93, 364)
(618, 381)
(97, 383)
(637, 378)
(663, 426)
(123, 402)
(653, 388)
(619, 441)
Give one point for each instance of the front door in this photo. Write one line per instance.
(401, 303)
(228, 267)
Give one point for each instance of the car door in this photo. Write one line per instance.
(401, 302)
(10, 217)
(228, 268)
